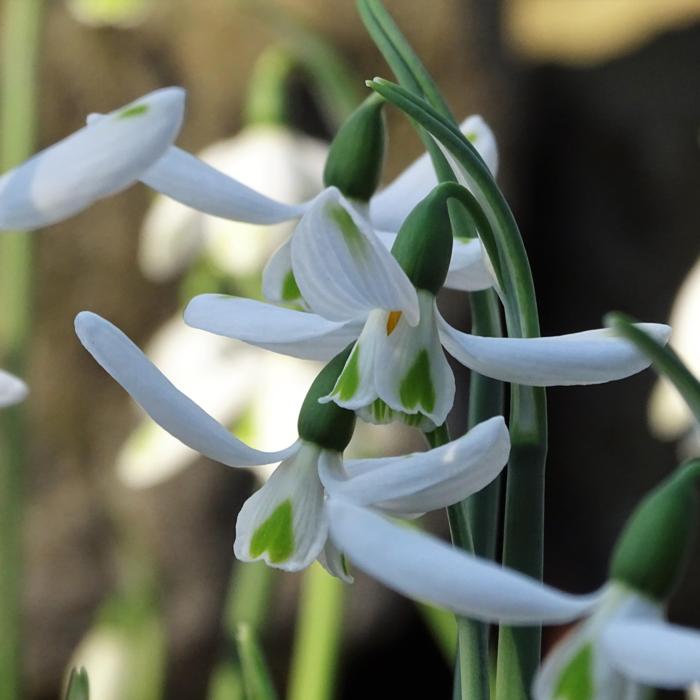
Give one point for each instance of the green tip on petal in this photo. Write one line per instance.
(423, 246)
(78, 685)
(135, 111)
(416, 389)
(576, 680)
(275, 536)
(652, 550)
(290, 289)
(327, 424)
(356, 156)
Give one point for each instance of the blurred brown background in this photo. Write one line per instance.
(596, 110)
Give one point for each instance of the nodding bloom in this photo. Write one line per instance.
(356, 289)
(96, 161)
(12, 389)
(623, 642)
(285, 523)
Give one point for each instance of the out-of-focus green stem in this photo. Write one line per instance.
(20, 27)
(318, 636)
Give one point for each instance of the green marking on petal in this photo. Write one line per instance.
(349, 379)
(290, 290)
(354, 238)
(416, 387)
(472, 136)
(576, 680)
(275, 535)
(134, 111)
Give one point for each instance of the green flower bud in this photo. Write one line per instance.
(78, 685)
(423, 246)
(327, 424)
(356, 156)
(651, 552)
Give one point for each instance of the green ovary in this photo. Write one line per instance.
(576, 680)
(275, 535)
(416, 389)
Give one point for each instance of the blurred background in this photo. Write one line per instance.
(127, 539)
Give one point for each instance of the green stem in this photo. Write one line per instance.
(318, 637)
(21, 21)
(249, 597)
(523, 528)
(666, 362)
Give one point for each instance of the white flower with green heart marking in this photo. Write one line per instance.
(357, 290)
(285, 523)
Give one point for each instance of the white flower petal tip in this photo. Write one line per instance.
(479, 134)
(284, 523)
(424, 481)
(424, 568)
(341, 266)
(164, 403)
(470, 271)
(296, 333)
(653, 652)
(192, 182)
(589, 357)
(12, 389)
(97, 161)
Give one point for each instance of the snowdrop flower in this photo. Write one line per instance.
(623, 642)
(387, 301)
(97, 161)
(285, 522)
(353, 167)
(12, 389)
(271, 158)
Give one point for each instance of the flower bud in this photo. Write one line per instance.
(423, 246)
(356, 155)
(327, 424)
(652, 550)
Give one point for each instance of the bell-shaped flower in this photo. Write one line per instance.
(94, 162)
(271, 158)
(285, 523)
(623, 642)
(12, 389)
(397, 368)
(353, 167)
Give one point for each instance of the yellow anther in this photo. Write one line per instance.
(392, 320)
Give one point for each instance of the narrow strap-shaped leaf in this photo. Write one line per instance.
(256, 676)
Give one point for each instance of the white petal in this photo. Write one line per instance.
(168, 406)
(278, 282)
(578, 660)
(342, 268)
(654, 652)
(284, 523)
(295, 333)
(589, 357)
(424, 481)
(424, 568)
(12, 389)
(411, 372)
(469, 270)
(94, 162)
(390, 207)
(482, 138)
(189, 180)
(333, 561)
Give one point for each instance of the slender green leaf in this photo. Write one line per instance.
(256, 677)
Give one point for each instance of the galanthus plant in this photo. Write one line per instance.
(285, 522)
(623, 643)
(356, 289)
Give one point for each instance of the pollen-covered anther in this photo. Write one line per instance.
(392, 321)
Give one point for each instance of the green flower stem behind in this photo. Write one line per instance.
(665, 360)
(524, 519)
(318, 636)
(20, 23)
